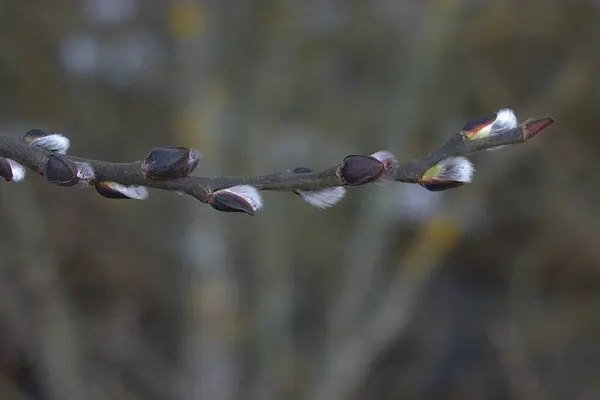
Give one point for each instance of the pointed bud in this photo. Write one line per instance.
(114, 190)
(532, 128)
(320, 198)
(60, 170)
(11, 170)
(499, 122)
(170, 162)
(243, 198)
(48, 141)
(359, 169)
(447, 174)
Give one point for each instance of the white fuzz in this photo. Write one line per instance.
(389, 162)
(132, 191)
(53, 142)
(458, 169)
(18, 171)
(323, 198)
(248, 193)
(85, 172)
(385, 156)
(505, 121)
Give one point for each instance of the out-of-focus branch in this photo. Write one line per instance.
(354, 170)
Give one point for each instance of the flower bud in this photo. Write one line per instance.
(11, 170)
(447, 174)
(242, 198)
(60, 170)
(532, 128)
(494, 124)
(320, 198)
(114, 190)
(48, 141)
(357, 170)
(170, 162)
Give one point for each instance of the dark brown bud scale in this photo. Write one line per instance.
(33, 134)
(439, 185)
(170, 162)
(229, 202)
(5, 169)
(357, 170)
(60, 170)
(104, 189)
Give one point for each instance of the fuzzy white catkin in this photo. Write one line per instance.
(248, 193)
(323, 198)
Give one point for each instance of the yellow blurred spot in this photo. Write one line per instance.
(194, 122)
(440, 233)
(186, 19)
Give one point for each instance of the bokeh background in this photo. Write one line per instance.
(490, 291)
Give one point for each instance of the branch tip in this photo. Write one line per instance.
(533, 128)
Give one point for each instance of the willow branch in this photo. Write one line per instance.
(201, 188)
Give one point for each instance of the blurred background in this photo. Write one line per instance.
(490, 291)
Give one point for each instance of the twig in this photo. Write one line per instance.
(353, 171)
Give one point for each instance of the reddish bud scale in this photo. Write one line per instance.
(534, 127)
